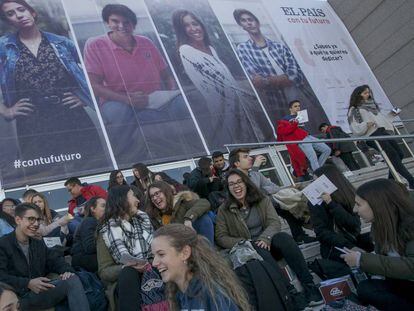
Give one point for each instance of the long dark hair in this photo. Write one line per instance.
(152, 211)
(356, 98)
(169, 180)
(117, 206)
(112, 179)
(253, 194)
(393, 224)
(179, 28)
(345, 195)
(205, 264)
(3, 215)
(145, 175)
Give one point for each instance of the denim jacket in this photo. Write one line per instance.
(5, 227)
(66, 53)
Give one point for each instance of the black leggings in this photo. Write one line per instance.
(394, 153)
(129, 290)
(284, 246)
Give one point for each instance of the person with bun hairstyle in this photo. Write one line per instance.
(387, 206)
(197, 277)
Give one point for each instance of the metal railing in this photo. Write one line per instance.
(336, 140)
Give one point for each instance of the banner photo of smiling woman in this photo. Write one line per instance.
(45, 98)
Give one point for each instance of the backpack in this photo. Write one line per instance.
(329, 269)
(266, 286)
(94, 290)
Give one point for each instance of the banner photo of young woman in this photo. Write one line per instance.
(49, 127)
(145, 115)
(270, 64)
(218, 91)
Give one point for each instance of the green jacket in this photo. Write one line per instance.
(231, 228)
(108, 270)
(187, 205)
(388, 266)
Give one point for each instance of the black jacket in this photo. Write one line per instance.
(337, 132)
(334, 226)
(17, 272)
(84, 241)
(200, 183)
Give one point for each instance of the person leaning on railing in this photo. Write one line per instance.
(366, 119)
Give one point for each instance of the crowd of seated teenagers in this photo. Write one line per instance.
(154, 219)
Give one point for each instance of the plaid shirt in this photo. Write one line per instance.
(256, 62)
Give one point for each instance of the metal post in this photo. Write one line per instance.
(388, 162)
(404, 142)
(289, 175)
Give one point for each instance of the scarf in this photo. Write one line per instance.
(133, 237)
(369, 105)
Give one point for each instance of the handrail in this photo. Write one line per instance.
(348, 139)
(403, 121)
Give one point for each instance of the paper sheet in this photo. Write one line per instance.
(314, 191)
(52, 241)
(158, 99)
(303, 116)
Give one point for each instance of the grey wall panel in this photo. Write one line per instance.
(384, 32)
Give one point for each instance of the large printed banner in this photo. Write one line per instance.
(328, 56)
(90, 85)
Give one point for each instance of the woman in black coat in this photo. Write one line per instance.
(333, 220)
(84, 241)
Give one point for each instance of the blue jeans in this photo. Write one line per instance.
(141, 135)
(309, 151)
(70, 289)
(204, 226)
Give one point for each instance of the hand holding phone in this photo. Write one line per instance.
(342, 250)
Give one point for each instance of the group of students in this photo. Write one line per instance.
(365, 118)
(154, 221)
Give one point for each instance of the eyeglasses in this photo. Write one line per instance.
(155, 194)
(32, 219)
(9, 206)
(239, 183)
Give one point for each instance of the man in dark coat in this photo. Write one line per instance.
(343, 150)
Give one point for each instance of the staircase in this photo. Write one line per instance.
(380, 170)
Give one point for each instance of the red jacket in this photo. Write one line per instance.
(291, 131)
(287, 130)
(88, 192)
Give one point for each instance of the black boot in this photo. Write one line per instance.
(313, 296)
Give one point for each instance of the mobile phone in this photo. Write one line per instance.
(341, 250)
